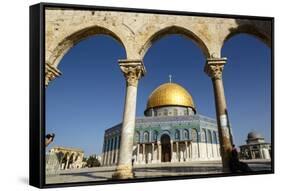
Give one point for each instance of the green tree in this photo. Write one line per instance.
(93, 162)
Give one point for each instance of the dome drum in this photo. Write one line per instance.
(169, 110)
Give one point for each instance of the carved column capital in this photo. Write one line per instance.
(50, 73)
(214, 67)
(133, 70)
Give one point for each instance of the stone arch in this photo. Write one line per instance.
(155, 135)
(194, 135)
(163, 133)
(71, 40)
(177, 135)
(137, 137)
(60, 156)
(210, 137)
(71, 160)
(146, 136)
(215, 137)
(166, 154)
(252, 29)
(76, 157)
(174, 30)
(64, 160)
(186, 134)
(204, 136)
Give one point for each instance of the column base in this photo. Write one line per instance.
(123, 172)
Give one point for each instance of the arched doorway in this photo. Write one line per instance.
(166, 148)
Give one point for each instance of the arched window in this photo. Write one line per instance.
(194, 135)
(165, 112)
(137, 137)
(177, 134)
(186, 134)
(215, 137)
(175, 112)
(203, 136)
(210, 140)
(155, 135)
(145, 136)
(185, 112)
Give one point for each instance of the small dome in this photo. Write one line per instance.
(254, 135)
(170, 94)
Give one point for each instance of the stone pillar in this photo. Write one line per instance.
(103, 154)
(186, 151)
(138, 153)
(261, 153)
(152, 152)
(67, 162)
(181, 154)
(177, 151)
(159, 148)
(214, 68)
(143, 153)
(113, 151)
(191, 151)
(108, 152)
(133, 70)
(172, 152)
(116, 150)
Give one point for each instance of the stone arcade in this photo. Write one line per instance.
(68, 158)
(136, 32)
(171, 131)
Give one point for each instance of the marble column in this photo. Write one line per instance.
(143, 153)
(152, 152)
(67, 162)
(186, 151)
(138, 153)
(191, 151)
(116, 150)
(159, 148)
(113, 151)
(133, 70)
(214, 68)
(172, 151)
(108, 152)
(177, 151)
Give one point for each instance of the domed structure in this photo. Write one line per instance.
(256, 147)
(170, 131)
(172, 97)
(254, 135)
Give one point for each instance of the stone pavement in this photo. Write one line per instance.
(149, 170)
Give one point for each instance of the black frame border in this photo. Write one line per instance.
(37, 93)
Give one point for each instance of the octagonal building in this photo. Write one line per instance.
(170, 131)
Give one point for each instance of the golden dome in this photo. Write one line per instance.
(170, 94)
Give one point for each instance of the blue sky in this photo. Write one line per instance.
(89, 97)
